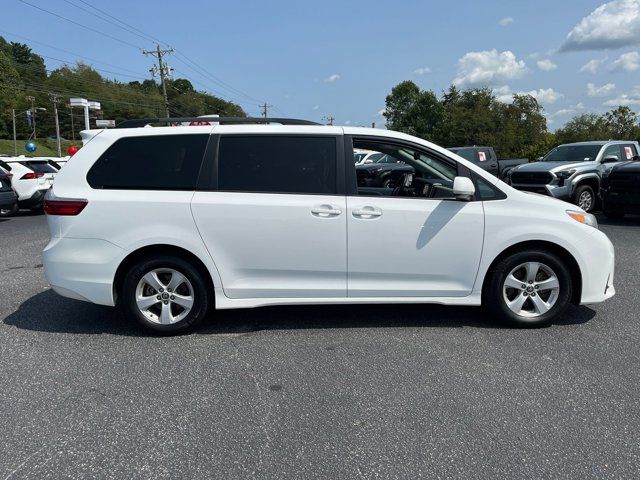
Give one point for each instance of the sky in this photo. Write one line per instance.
(313, 60)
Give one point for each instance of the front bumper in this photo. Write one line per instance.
(561, 192)
(598, 268)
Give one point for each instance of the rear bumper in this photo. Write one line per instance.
(8, 199)
(83, 269)
(34, 200)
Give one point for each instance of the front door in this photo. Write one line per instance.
(414, 239)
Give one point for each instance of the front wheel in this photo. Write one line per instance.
(165, 294)
(8, 212)
(585, 198)
(528, 289)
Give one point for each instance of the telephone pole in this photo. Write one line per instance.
(15, 141)
(54, 99)
(329, 119)
(163, 70)
(264, 108)
(33, 114)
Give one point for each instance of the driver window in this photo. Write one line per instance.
(400, 171)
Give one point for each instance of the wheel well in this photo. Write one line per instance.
(593, 182)
(562, 253)
(151, 251)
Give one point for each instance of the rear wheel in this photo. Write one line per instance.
(613, 214)
(585, 198)
(528, 289)
(165, 294)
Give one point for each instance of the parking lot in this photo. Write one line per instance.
(315, 392)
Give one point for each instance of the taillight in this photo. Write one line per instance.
(64, 207)
(31, 175)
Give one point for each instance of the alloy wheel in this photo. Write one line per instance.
(531, 289)
(164, 296)
(585, 201)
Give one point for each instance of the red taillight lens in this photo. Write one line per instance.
(31, 175)
(64, 207)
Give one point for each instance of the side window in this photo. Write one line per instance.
(611, 151)
(407, 173)
(629, 151)
(484, 155)
(160, 162)
(277, 164)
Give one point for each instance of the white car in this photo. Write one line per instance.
(32, 177)
(167, 222)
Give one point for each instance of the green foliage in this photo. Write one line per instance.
(23, 73)
(477, 117)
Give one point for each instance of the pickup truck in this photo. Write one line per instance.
(620, 189)
(574, 172)
(485, 158)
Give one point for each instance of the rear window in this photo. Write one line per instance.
(277, 164)
(5, 165)
(466, 153)
(39, 166)
(160, 162)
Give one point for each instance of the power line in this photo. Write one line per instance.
(163, 70)
(80, 24)
(265, 107)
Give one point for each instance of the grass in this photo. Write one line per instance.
(45, 147)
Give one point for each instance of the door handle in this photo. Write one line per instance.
(367, 212)
(326, 211)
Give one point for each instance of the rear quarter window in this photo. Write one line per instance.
(39, 167)
(158, 162)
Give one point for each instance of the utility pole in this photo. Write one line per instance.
(329, 119)
(264, 108)
(33, 113)
(163, 69)
(15, 141)
(73, 134)
(54, 99)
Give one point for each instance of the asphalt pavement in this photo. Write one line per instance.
(315, 392)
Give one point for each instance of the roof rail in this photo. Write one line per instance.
(141, 122)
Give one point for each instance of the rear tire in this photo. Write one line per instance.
(165, 294)
(528, 289)
(585, 198)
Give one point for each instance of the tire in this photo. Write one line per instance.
(497, 293)
(171, 314)
(8, 212)
(585, 198)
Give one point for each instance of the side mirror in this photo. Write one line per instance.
(610, 160)
(463, 189)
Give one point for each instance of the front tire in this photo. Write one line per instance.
(9, 212)
(165, 294)
(585, 198)
(528, 289)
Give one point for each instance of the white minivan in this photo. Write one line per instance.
(169, 221)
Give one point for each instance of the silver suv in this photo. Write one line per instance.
(573, 172)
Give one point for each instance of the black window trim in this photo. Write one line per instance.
(208, 178)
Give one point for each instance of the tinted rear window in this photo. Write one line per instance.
(466, 153)
(277, 164)
(39, 166)
(161, 162)
(5, 166)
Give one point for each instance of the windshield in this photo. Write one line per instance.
(572, 153)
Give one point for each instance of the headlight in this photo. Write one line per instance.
(564, 174)
(582, 217)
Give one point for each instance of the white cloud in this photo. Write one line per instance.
(316, 107)
(332, 78)
(546, 65)
(629, 62)
(591, 66)
(603, 91)
(630, 98)
(503, 22)
(381, 112)
(347, 122)
(612, 25)
(488, 68)
(544, 95)
(422, 70)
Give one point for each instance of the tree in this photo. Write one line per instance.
(621, 123)
(414, 111)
